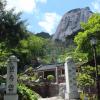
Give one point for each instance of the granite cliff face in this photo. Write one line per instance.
(70, 22)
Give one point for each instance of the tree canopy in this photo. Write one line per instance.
(89, 29)
(16, 39)
(12, 28)
(33, 45)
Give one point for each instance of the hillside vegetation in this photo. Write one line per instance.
(33, 50)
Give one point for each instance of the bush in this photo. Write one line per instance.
(26, 94)
(3, 70)
(2, 80)
(50, 77)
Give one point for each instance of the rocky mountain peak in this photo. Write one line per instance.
(70, 22)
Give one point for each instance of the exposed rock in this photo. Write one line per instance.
(70, 22)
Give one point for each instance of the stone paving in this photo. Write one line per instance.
(52, 98)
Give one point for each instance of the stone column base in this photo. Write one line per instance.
(72, 96)
(11, 97)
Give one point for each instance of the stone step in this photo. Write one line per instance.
(52, 98)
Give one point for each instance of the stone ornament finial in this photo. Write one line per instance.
(13, 58)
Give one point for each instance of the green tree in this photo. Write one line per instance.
(2, 6)
(34, 44)
(30, 49)
(89, 29)
(12, 28)
(86, 78)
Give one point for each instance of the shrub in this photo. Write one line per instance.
(50, 77)
(2, 80)
(26, 94)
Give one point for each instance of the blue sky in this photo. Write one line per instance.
(44, 15)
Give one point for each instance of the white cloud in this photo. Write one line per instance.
(21, 5)
(96, 5)
(27, 6)
(49, 22)
(42, 1)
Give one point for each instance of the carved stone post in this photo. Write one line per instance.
(11, 84)
(71, 84)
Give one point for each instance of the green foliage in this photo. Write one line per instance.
(53, 50)
(86, 77)
(43, 35)
(12, 28)
(3, 58)
(77, 56)
(90, 29)
(80, 57)
(26, 94)
(30, 49)
(33, 46)
(50, 77)
(85, 80)
(2, 80)
(2, 6)
(28, 75)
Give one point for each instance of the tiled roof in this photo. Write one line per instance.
(49, 66)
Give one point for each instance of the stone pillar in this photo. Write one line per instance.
(11, 84)
(71, 92)
(56, 74)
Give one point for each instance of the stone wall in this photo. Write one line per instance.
(62, 89)
(1, 96)
(54, 90)
(49, 90)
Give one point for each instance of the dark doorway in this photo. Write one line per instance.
(46, 73)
